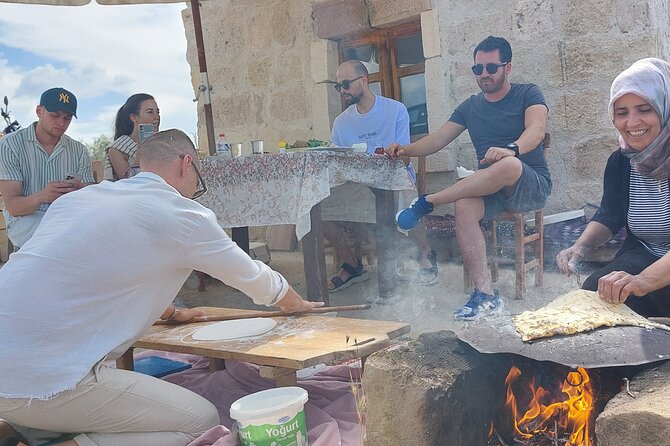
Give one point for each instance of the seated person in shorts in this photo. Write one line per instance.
(506, 123)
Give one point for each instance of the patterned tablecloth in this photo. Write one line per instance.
(282, 189)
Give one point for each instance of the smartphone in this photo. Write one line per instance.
(146, 130)
(73, 177)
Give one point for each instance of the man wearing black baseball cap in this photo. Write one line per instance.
(40, 163)
(59, 99)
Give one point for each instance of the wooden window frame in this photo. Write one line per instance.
(389, 74)
(385, 39)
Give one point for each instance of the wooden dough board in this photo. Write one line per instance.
(296, 342)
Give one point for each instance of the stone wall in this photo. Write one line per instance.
(641, 419)
(265, 58)
(571, 49)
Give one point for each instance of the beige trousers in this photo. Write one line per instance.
(113, 407)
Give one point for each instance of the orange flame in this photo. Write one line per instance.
(571, 415)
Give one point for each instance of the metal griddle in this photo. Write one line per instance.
(603, 347)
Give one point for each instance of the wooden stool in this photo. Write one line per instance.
(521, 266)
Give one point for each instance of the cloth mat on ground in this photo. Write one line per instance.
(331, 411)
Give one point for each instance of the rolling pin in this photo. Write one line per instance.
(242, 314)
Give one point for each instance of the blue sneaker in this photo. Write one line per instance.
(477, 303)
(410, 217)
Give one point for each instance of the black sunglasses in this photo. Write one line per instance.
(491, 68)
(201, 188)
(345, 84)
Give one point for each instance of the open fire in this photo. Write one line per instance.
(537, 416)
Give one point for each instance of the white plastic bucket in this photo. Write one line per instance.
(274, 417)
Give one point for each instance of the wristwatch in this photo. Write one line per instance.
(514, 147)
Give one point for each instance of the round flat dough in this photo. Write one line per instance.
(235, 329)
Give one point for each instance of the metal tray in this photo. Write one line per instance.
(604, 347)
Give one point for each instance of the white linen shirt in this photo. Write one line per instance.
(104, 264)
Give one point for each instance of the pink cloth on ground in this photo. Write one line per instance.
(331, 413)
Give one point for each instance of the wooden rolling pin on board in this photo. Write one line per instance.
(248, 314)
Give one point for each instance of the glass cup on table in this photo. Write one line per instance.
(360, 147)
(237, 149)
(257, 147)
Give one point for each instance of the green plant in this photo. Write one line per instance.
(98, 148)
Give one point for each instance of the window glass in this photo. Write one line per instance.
(409, 50)
(367, 54)
(413, 95)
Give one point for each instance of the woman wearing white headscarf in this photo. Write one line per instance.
(636, 195)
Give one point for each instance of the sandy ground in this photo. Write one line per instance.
(425, 308)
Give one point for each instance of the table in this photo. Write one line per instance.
(287, 189)
(297, 342)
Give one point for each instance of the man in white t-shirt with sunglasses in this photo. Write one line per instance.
(376, 121)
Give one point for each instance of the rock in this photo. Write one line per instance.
(432, 391)
(643, 420)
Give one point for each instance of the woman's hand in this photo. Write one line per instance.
(568, 258)
(616, 286)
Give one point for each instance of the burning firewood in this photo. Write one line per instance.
(548, 421)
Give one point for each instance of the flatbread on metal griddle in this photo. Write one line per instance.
(577, 312)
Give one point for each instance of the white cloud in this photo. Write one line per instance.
(97, 52)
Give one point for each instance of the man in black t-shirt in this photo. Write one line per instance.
(506, 123)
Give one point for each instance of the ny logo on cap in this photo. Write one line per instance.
(64, 98)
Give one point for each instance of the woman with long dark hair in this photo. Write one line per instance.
(123, 155)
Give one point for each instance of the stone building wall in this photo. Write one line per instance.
(265, 57)
(263, 60)
(572, 50)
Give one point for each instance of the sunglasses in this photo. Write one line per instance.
(345, 84)
(491, 68)
(201, 188)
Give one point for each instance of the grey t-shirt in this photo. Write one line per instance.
(496, 124)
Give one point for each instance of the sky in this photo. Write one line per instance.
(102, 54)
